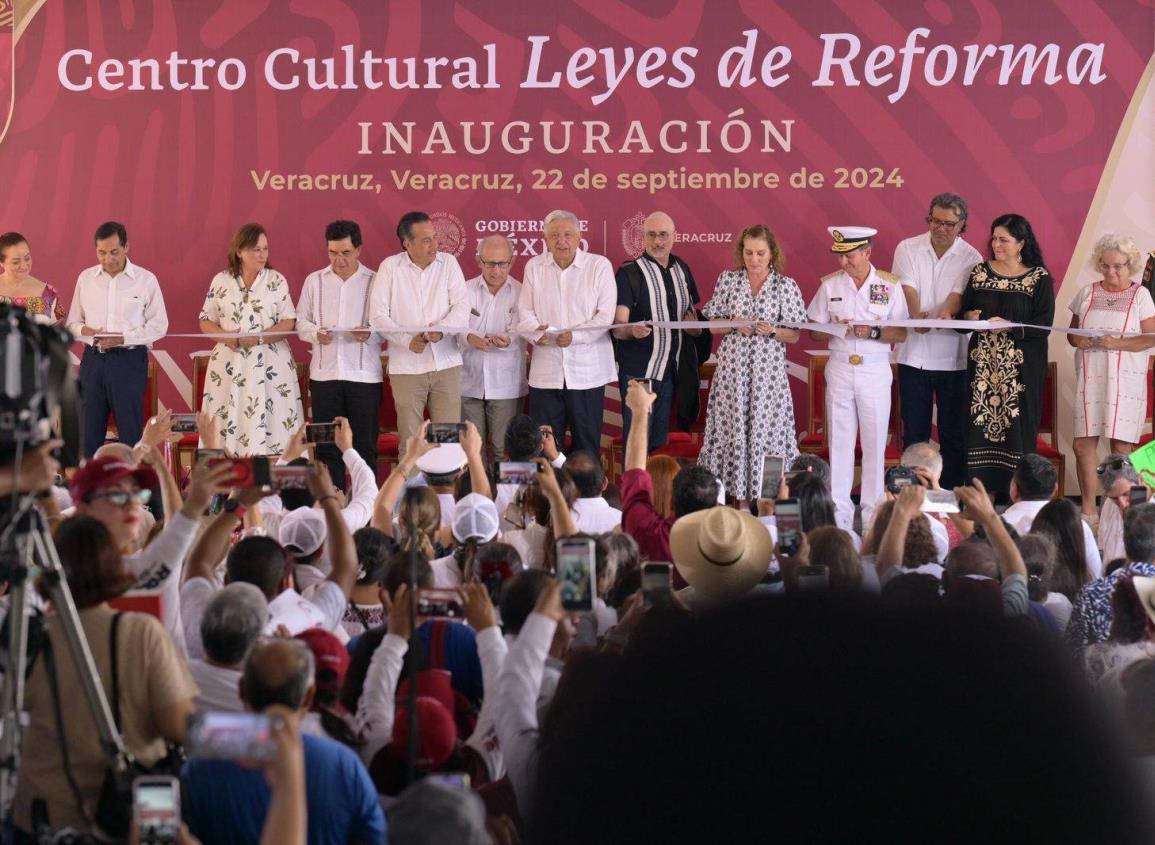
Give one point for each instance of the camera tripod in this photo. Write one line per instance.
(26, 546)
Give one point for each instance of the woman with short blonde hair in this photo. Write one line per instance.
(1110, 369)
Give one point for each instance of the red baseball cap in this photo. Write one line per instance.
(331, 657)
(437, 733)
(99, 472)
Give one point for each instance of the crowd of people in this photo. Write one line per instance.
(415, 640)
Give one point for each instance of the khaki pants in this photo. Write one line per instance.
(491, 416)
(439, 389)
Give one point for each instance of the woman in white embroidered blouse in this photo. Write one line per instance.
(251, 386)
(1110, 371)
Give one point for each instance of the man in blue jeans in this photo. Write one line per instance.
(656, 286)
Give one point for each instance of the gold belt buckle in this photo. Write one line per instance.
(855, 360)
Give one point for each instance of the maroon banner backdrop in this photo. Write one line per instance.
(184, 120)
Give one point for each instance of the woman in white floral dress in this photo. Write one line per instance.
(251, 387)
(751, 412)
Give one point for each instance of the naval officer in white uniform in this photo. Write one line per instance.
(858, 375)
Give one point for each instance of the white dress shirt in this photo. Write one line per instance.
(405, 296)
(330, 302)
(1020, 515)
(129, 304)
(935, 279)
(595, 516)
(495, 373)
(838, 298)
(582, 296)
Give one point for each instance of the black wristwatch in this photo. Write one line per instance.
(875, 332)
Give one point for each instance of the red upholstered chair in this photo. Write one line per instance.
(1046, 448)
(1146, 438)
(187, 445)
(388, 444)
(684, 445)
(813, 440)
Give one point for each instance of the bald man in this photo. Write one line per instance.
(493, 378)
(656, 286)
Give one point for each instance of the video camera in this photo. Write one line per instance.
(38, 396)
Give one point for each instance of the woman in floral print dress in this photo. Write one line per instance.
(251, 386)
(751, 412)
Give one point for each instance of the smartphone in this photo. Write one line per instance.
(647, 384)
(1139, 494)
(454, 780)
(657, 584)
(576, 564)
(445, 604)
(788, 517)
(156, 809)
(772, 467)
(444, 432)
(321, 432)
(294, 477)
(184, 423)
(813, 578)
(215, 735)
(940, 501)
(209, 454)
(217, 503)
(515, 472)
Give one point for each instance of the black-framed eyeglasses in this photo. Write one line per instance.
(1115, 464)
(949, 225)
(495, 265)
(121, 498)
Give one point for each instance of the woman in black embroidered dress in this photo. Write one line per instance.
(1007, 368)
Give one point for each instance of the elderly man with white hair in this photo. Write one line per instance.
(493, 358)
(567, 304)
(657, 286)
(1110, 370)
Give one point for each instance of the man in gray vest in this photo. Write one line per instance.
(656, 286)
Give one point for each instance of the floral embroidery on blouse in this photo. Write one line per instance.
(995, 384)
(982, 279)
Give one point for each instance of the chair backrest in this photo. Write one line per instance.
(1050, 402)
(816, 393)
(200, 376)
(388, 415)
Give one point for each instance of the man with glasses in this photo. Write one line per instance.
(493, 378)
(658, 286)
(934, 267)
(345, 369)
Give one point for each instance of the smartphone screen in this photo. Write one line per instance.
(230, 736)
(788, 517)
(772, 466)
(444, 432)
(515, 472)
(156, 809)
(184, 423)
(209, 454)
(813, 578)
(321, 432)
(657, 583)
(575, 569)
(289, 477)
(454, 780)
(1139, 494)
(444, 604)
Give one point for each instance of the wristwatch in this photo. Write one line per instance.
(875, 332)
(235, 507)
